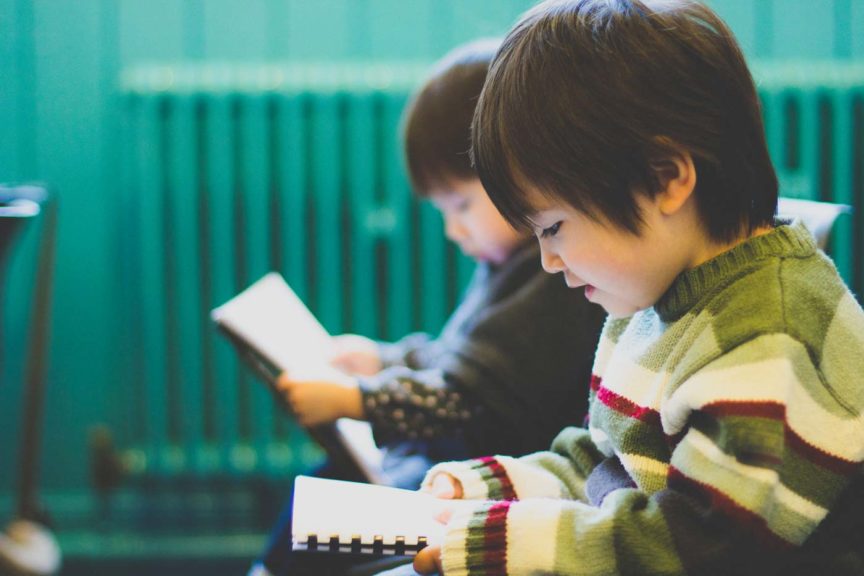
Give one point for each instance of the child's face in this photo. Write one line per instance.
(621, 272)
(473, 222)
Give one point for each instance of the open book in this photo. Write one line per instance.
(274, 331)
(337, 516)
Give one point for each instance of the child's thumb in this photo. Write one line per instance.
(443, 486)
(283, 381)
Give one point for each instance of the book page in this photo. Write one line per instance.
(270, 318)
(360, 443)
(326, 508)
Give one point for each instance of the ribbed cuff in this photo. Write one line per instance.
(476, 541)
(481, 479)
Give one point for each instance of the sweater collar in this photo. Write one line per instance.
(789, 239)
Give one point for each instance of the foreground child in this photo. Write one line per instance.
(726, 424)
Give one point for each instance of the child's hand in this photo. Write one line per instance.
(445, 486)
(316, 402)
(355, 354)
(428, 560)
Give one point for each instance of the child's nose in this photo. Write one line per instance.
(550, 261)
(454, 230)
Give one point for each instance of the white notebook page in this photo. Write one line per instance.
(326, 508)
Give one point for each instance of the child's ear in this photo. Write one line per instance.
(676, 179)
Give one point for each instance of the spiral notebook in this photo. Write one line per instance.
(349, 517)
(274, 331)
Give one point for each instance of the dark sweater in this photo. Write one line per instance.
(509, 370)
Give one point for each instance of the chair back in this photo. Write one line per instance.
(818, 217)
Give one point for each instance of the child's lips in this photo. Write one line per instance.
(472, 252)
(589, 291)
(572, 282)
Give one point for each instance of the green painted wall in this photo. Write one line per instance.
(59, 65)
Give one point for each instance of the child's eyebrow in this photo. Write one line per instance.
(531, 221)
(533, 216)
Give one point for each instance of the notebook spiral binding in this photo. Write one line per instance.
(377, 547)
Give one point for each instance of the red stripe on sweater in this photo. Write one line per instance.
(495, 540)
(497, 470)
(626, 407)
(769, 410)
(830, 462)
(710, 496)
(595, 382)
(777, 411)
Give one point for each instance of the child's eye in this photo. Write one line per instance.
(550, 231)
(463, 205)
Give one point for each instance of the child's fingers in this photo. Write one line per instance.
(287, 389)
(442, 486)
(446, 486)
(443, 517)
(344, 362)
(283, 383)
(428, 560)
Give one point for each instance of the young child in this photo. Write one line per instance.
(512, 365)
(726, 421)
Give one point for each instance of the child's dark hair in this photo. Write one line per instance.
(437, 121)
(588, 99)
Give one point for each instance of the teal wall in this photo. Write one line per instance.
(59, 66)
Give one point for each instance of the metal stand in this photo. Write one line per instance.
(27, 547)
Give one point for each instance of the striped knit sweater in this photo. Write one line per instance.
(725, 424)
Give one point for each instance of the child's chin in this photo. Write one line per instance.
(618, 311)
(484, 257)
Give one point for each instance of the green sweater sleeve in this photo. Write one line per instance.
(744, 481)
(558, 473)
(731, 416)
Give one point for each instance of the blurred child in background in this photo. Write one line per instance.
(512, 364)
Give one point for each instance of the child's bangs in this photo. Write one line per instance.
(501, 153)
(498, 167)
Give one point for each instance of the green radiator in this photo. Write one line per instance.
(231, 173)
(234, 171)
(814, 119)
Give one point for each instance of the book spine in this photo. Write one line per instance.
(377, 547)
